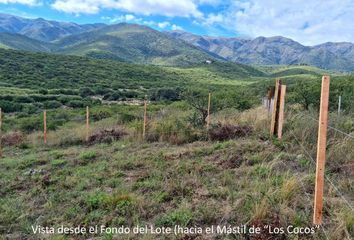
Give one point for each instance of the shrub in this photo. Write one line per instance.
(52, 104)
(126, 117)
(130, 94)
(43, 91)
(225, 132)
(172, 130)
(8, 106)
(30, 124)
(85, 92)
(107, 135)
(12, 139)
(165, 94)
(76, 104)
(113, 96)
(23, 99)
(100, 114)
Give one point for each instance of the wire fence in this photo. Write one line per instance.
(274, 109)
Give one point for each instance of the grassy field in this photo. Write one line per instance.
(180, 174)
(176, 176)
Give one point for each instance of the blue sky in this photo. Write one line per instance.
(307, 21)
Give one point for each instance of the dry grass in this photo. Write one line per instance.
(254, 179)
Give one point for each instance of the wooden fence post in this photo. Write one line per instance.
(281, 111)
(208, 118)
(87, 123)
(145, 117)
(0, 133)
(321, 151)
(275, 114)
(45, 126)
(269, 98)
(339, 104)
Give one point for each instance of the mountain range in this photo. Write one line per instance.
(141, 44)
(274, 50)
(41, 29)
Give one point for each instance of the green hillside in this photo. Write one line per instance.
(132, 43)
(39, 70)
(21, 42)
(231, 174)
(55, 80)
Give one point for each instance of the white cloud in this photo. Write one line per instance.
(24, 2)
(213, 19)
(163, 24)
(211, 2)
(129, 17)
(176, 27)
(76, 6)
(309, 22)
(122, 18)
(149, 23)
(171, 8)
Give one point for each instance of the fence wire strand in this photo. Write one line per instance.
(333, 128)
(327, 178)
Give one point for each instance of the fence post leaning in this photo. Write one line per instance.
(87, 123)
(45, 126)
(281, 111)
(273, 127)
(321, 151)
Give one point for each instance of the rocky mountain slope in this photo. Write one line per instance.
(274, 50)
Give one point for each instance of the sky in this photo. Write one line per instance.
(309, 22)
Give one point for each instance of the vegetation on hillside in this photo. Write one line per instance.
(52, 81)
(174, 177)
(182, 173)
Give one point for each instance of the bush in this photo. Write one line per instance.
(130, 94)
(107, 136)
(225, 132)
(52, 104)
(113, 96)
(43, 91)
(100, 114)
(85, 92)
(76, 104)
(23, 99)
(126, 117)
(12, 139)
(30, 124)
(164, 94)
(8, 106)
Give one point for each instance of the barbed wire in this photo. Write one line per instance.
(309, 199)
(327, 178)
(342, 196)
(329, 126)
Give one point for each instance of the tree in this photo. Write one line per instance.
(85, 92)
(168, 94)
(199, 102)
(307, 93)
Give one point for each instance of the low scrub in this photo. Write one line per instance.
(224, 132)
(12, 139)
(107, 135)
